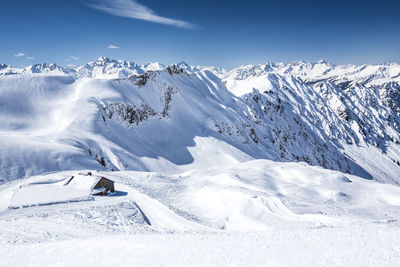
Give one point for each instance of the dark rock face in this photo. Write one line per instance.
(129, 113)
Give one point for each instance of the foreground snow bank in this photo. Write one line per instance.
(257, 213)
(357, 245)
(257, 195)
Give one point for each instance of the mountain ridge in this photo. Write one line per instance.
(293, 67)
(303, 112)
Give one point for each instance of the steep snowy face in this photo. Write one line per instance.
(356, 108)
(168, 121)
(262, 126)
(157, 118)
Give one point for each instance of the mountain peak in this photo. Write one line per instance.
(44, 68)
(183, 65)
(153, 66)
(103, 59)
(323, 61)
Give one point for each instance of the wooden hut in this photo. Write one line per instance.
(103, 186)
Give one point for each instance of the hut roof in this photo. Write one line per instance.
(85, 181)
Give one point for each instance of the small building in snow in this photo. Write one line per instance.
(103, 186)
(97, 185)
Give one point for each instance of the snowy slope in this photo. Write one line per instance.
(117, 115)
(256, 195)
(356, 108)
(54, 123)
(211, 167)
(259, 207)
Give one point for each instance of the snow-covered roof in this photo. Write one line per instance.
(85, 181)
(54, 188)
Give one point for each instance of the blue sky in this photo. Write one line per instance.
(224, 33)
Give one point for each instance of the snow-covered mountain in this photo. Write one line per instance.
(102, 68)
(355, 108)
(196, 152)
(44, 68)
(156, 118)
(322, 70)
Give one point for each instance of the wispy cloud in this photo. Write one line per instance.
(112, 46)
(19, 55)
(30, 58)
(74, 58)
(133, 9)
